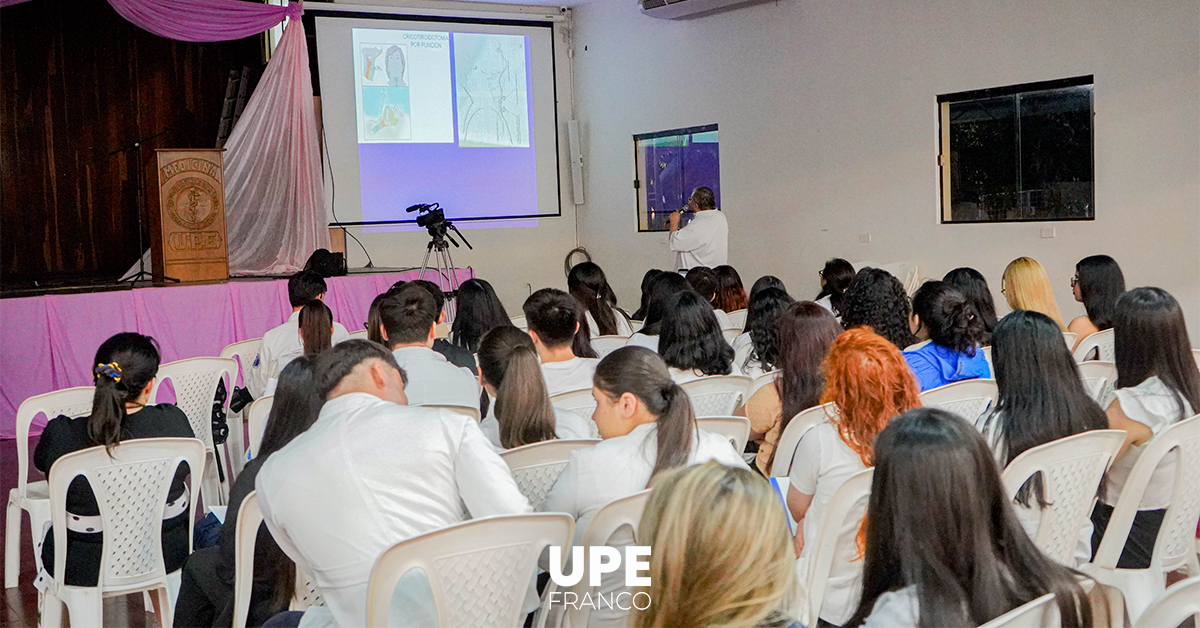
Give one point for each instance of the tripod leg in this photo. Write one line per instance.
(451, 303)
(425, 262)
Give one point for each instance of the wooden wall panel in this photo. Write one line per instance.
(78, 82)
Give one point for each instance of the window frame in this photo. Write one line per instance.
(639, 166)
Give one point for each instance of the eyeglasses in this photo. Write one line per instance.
(1074, 281)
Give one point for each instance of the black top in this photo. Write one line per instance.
(265, 548)
(456, 355)
(64, 435)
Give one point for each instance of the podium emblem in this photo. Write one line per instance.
(193, 203)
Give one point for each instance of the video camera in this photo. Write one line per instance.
(433, 218)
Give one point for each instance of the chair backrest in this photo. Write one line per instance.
(1177, 533)
(636, 326)
(968, 399)
(471, 412)
(605, 345)
(306, 593)
(730, 334)
(1099, 377)
(718, 395)
(359, 335)
(737, 319)
(1039, 613)
(785, 448)
(1182, 600)
(195, 383)
(521, 322)
(256, 418)
(1070, 338)
(741, 355)
(478, 571)
(735, 428)
(762, 380)
(244, 351)
(249, 518)
(987, 356)
(1071, 469)
(846, 505)
(72, 402)
(580, 402)
(1196, 356)
(612, 518)
(536, 467)
(1102, 342)
(914, 347)
(131, 490)
(907, 272)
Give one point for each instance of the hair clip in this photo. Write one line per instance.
(112, 370)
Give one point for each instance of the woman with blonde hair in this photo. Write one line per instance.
(868, 380)
(1027, 287)
(705, 570)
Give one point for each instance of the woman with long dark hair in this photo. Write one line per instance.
(1158, 385)
(648, 427)
(647, 279)
(943, 545)
(522, 414)
(1097, 284)
(316, 328)
(587, 283)
(835, 279)
(803, 334)
(704, 282)
(478, 311)
(662, 288)
(764, 282)
(731, 294)
(690, 339)
(972, 284)
(374, 324)
(206, 589)
(876, 299)
(1042, 399)
(124, 371)
(764, 311)
(944, 317)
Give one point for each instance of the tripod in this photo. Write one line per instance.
(439, 245)
(142, 274)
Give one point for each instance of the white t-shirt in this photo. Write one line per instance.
(703, 242)
(567, 425)
(643, 340)
(433, 380)
(895, 609)
(624, 328)
(822, 463)
(569, 375)
(1154, 405)
(723, 320)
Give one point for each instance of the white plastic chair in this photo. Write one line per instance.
(245, 352)
(845, 506)
(34, 497)
(195, 383)
(765, 379)
(1071, 338)
(735, 428)
(907, 272)
(730, 335)
(624, 513)
(580, 402)
(605, 345)
(785, 448)
(1039, 613)
(1102, 342)
(987, 356)
(1182, 600)
(914, 347)
(131, 490)
(1196, 356)
(737, 319)
(968, 399)
(1071, 469)
(536, 467)
(359, 335)
(741, 355)
(718, 395)
(1174, 548)
(478, 571)
(256, 417)
(1098, 377)
(248, 522)
(636, 326)
(470, 412)
(521, 322)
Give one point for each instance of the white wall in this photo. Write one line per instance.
(829, 129)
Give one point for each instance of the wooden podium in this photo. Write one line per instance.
(187, 216)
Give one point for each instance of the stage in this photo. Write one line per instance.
(49, 340)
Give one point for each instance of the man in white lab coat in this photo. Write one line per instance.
(705, 241)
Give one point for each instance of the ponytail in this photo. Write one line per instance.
(587, 283)
(108, 407)
(316, 327)
(676, 426)
(509, 362)
(125, 364)
(950, 318)
(581, 344)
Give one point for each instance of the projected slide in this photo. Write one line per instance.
(402, 81)
(492, 99)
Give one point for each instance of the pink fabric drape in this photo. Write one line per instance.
(203, 20)
(274, 191)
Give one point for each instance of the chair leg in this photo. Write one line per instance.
(52, 611)
(167, 617)
(12, 543)
(85, 606)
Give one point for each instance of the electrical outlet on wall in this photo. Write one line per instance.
(1048, 232)
(865, 238)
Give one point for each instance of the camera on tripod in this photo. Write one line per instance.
(431, 217)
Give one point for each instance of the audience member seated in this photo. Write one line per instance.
(374, 324)
(764, 282)
(691, 342)
(704, 571)
(648, 427)
(805, 331)
(974, 287)
(581, 343)
(1042, 399)
(410, 325)
(1097, 284)
(943, 546)
(477, 311)
(206, 590)
(587, 283)
(868, 380)
(1158, 385)
(944, 317)
(522, 414)
(704, 281)
(765, 308)
(372, 472)
(282, 344)
(647, 278)
(1027, 287)
(124, 371)
(662, 288)
(453, 353)
(553, 319)
(835, 279)
(876, 299)
(731, 294)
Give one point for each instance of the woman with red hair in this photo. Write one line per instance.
(870, 383)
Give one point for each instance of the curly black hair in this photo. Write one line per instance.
(761, 316)
(876, 299)
(691, 338)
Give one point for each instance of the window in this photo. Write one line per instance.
(670, 164)
(1019, 153)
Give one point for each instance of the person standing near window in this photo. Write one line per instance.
(705, 240)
